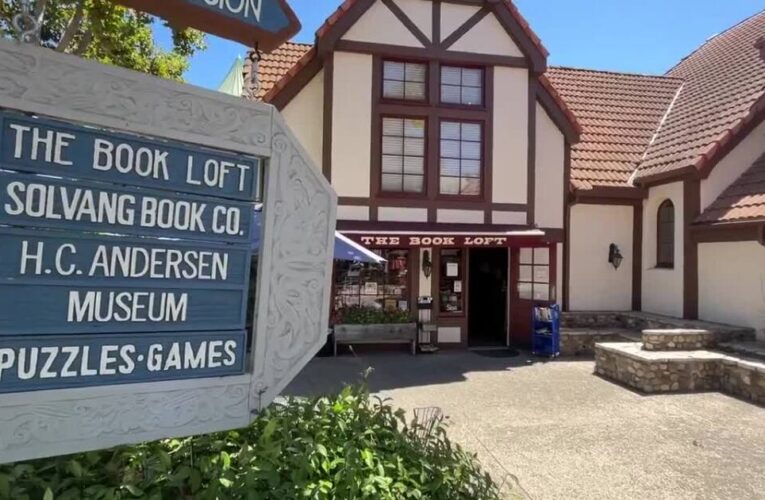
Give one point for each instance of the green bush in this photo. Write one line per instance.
(356, 315)
(349, 446)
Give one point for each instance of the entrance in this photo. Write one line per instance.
(487, 312)
(532, 283)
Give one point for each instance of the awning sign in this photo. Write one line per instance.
(442, 240)
(123, 258)
(268, 23)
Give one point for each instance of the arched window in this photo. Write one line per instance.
(665, 235)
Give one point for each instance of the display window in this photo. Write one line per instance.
(380, 286)
(451, 282)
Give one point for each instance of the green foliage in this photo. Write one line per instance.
(109, 33)
(350, 446)
(357, 315)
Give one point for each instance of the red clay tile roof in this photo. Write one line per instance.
(619, 113)
(724, 79)
(275, 66)
(743, 201)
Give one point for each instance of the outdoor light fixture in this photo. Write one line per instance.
(427, 264)
(615, 257)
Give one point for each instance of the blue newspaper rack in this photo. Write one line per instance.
(546, 335)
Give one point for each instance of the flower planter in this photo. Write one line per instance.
(393, 333)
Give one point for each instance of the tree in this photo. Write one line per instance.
(109, 33)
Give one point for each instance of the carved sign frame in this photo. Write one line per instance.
(295, 262)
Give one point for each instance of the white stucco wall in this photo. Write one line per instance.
(453, 16)
(594, 284)
(662, 288)
(550, 172)
(511, 135)
(380, 25)
(487, 37)
(732, 284)
(559, 277)
(733, 165)
(352, 124)
(421, 14)
(305, 116)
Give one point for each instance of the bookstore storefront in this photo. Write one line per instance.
(482, 286)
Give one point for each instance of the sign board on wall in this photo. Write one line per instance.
(267, 23)
(81, 303)
(125, 251)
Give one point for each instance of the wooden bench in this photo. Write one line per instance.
(377, 334)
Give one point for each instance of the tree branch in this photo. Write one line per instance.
(72, 28)
(40, 10)
(87, 37)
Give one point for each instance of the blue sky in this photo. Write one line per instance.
(642, 36)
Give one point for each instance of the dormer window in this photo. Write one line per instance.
(463, 86)
(404, 81)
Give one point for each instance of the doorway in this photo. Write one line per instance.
(487, 311)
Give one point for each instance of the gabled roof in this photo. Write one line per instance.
(274, 66)
(619, 114)
(724, 86)
(742, 201)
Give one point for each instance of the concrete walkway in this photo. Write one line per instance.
(568, 434)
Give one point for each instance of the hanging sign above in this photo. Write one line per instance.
(265, 23)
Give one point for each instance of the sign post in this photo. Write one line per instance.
(265, 23)
(126, 208)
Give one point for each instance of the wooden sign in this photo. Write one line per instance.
(267, 23)
(96, 274)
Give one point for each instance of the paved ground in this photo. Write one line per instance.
(567, 434)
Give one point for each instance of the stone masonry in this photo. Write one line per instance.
(677, 340)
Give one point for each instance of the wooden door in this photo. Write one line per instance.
(532, 282)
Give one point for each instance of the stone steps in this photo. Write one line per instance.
(747, 349)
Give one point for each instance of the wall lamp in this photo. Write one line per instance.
(615, 256)
(427, 264)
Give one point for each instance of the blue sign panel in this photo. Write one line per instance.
(41, 145)
(36, 201)
(58, 362)
(268, 14)
(54, 257)
(123, 258)
(46, 309)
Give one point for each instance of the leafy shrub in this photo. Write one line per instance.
(349, 446)
(357, 315)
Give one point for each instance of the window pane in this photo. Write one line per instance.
(525, 273)
(541, 291)
(451, 94)
(414, 147)
(393, 71)
(471, 132)
(414, 91)
(525, 291)
(414, 165)
(450, 149)
(415, 72)
(393, 89)
(451, 75)
(393, 145)
(471, 168)
(472, 96)
(450, 167)
(450, 185)
(414, 128)
(392, 182)
(392, 164)
(541, 274)
(472, 77)
(413, 183)
(451, 284)
(450, 130)
(470, 187)
(393, 126)
(541, 256)
(527, 255)
(471, 150)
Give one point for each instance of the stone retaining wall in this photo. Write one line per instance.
(581, 342)
(677, 340)
(656, 372)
